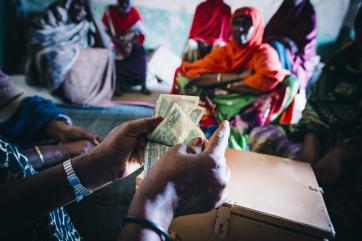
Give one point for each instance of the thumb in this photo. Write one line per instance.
(219, 140)
(142, 126)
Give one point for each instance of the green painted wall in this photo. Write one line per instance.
(163, 27)
(168, 22)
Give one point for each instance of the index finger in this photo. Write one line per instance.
(88, 135)
(219, 140)
(142, 126)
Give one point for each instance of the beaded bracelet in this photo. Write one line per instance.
(149, 224)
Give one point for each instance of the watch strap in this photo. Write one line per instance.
(80, 191)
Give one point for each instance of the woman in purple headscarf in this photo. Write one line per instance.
(292, 31)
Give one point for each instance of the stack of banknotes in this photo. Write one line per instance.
(181, 116)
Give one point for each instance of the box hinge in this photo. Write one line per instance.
(222, 221)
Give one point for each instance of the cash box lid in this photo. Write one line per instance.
(277, 191)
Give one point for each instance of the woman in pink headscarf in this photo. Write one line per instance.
(292, 31)
(210, 28)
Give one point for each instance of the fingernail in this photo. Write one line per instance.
(224, 124)
(158, 119)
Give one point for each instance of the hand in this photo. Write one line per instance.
(184, 181)
(218, 44)
(74, 148)
(125, 47)
(67, 133)
(123, 147)
(311, 152)
(330, 166)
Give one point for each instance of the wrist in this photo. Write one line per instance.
(157, 205)
(55, 128)
(92, 170)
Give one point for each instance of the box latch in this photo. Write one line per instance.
(222, 221)
(316, 188)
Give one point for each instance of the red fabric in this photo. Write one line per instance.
(122, 22)
(174, 89)
(287, 115)
(211, 22)
(234, 58)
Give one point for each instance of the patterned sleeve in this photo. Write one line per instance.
(13, 165)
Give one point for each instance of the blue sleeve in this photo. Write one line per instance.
(28, 123)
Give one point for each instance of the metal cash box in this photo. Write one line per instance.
(270, 198)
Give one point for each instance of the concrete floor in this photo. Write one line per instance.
(137, 96)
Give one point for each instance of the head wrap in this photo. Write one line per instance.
(233, 56)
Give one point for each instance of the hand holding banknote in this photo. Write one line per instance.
(181, 115)
(123, 148)
(184, 181)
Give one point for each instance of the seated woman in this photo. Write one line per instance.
(329, 136)
(292, 31)
(125, 26)
(69, 55)
(210, 29)
(36, 125)
(254, 87)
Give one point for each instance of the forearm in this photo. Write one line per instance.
(33, 158)
(156, 204)
(55, 128)
(352, 153)
(52, 155)
(27, 199)
(311, 152)
(220, 77)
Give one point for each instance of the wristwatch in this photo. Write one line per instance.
(80, 191)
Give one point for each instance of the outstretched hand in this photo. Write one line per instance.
(68, 133)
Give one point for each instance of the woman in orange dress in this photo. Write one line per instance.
(243, 81)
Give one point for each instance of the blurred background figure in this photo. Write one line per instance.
(210, 29)
(124, 25)
(292, 31)
(329, 136)
(242, 82)
(69, 55)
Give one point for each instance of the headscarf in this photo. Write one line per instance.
(232, 57)
(295, 22)
(211, 22)
(120, 22)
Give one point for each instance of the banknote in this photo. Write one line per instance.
(181, 117)
(177, 127)
(165, 101)
(153, 152)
